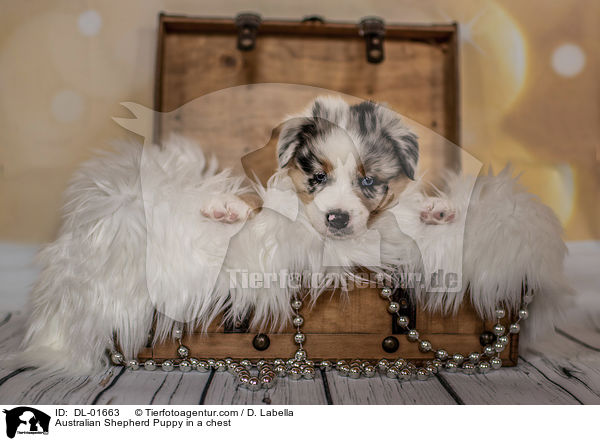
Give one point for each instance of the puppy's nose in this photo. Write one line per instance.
(337, 219)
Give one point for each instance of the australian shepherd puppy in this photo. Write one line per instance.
(150, 229)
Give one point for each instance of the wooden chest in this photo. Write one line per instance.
(212, 75)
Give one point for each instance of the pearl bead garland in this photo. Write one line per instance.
(264, 374)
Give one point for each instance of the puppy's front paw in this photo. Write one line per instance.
(437, 211)
(226, 208)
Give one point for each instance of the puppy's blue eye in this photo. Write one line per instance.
(320, 177)
(367, 181)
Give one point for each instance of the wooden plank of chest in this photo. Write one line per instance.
(383, 390)
(223, 390)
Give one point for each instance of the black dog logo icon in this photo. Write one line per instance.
(26, 420)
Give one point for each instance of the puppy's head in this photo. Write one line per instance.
(348, 163)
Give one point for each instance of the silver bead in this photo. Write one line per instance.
(484, 367)
(499, 347)
(413, 335)
(177, 333)
(167, 365)
(424, 346)
(523, 313)
(489, 350)
(340, 363)
(437, 363)
(500, 313)
(203, 366)
(451, 366)
(211, 362)
(133, 365)
(296, 304)
(499, 329)
(458, 358)
(402, 321)
(431, 369)
(231, 367)
(422, 374)
(468, 367)
(150, 365)
(441, 354)
(404, 374)
(399, 363)
(369, 371)
(299, 337)
(253, 384)
(261, 364)
(266, 371)
(220, 366)
(117, 357)
(343, 370)
(393, 307)
(194, 362)
(308, 372)
(278, 362)
(515, 328)
(386, 292)
(295, 373)
(280, 370)
(382, 365)
(246, 363)
(326, 365)
(392, 372)
(474, 357)
(228, 361)
(183, 352)
(298, 320)
(503, 339)
(185, 366)
(267, 382)
(300, 354)
(243, 379)
(496, 363)
(354, 372)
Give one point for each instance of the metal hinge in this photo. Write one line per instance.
(373, 31)
(247, 25)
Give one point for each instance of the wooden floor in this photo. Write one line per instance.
(567, 371)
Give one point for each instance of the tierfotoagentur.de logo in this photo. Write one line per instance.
(26, 421)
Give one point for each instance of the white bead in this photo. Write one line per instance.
(117, 357)
(150, 365)
(177, 333)
(393, 307)
(500, 313)
(133, 365)
(515, 328)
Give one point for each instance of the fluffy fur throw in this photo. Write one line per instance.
(133, 241)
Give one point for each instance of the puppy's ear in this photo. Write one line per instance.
(404, 141)
(408, 149)
(294, 133)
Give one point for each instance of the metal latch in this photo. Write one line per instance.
(373, 31)
(247, 25)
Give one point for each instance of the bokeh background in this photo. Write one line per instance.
(529, 86)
